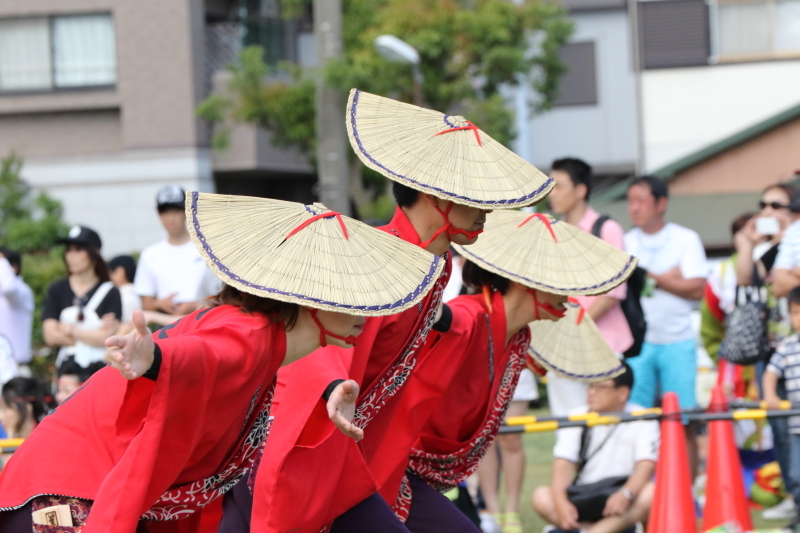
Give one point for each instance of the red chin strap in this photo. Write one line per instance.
(581, 312)
(547, 307)
(350, 339)
(449, 228)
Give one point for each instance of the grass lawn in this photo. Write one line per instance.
(539, 454)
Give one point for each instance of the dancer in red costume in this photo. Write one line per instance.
(311, 475)
(180, 421)
(454, 406)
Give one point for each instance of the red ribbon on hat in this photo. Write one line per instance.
(544, 219)
(329, 214)
(581, 311)
(471, 126)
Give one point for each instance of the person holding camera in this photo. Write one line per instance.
(601, 475)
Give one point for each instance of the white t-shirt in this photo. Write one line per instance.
(789, 249)
(16, 312)
(627, 444)
(166, 269)
(667, 315)
(130, 301)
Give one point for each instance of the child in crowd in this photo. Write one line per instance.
(785, 364)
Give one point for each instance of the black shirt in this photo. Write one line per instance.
(60, 296)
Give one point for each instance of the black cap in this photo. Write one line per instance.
(170, 196)
(83, 236)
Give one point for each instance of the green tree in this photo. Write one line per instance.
(469, 49)
(31, 224)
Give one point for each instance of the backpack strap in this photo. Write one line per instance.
(100, 294)
(597, 227)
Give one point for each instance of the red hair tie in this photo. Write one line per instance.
(544, 219)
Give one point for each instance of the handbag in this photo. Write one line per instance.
(746, 338)
(590, 499)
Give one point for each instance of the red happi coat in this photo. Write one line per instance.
(454, 406)
(162, 449)
(310, 472)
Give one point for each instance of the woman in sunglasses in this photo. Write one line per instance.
(82, 310)
(757, 243)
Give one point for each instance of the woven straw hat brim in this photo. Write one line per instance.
(369, 273)
(571, 350)
(574, 263)
(407, 144)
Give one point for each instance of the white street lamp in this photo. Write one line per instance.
(398, 51)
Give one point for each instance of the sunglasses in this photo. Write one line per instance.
(78, 302)
(774, 205)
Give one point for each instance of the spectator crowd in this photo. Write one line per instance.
(602, 476)
(93, 302)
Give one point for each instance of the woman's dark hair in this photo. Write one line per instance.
(404, 196)
(579, 172)
(475, 278)
(739, 222)
(658, 187)
(18, 393)
(100, 267)
(275, 310)
(14, 258)
(794, 296)
(128, 264)
(71, 368)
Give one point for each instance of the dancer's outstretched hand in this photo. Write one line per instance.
(132, 354)
(342, 408)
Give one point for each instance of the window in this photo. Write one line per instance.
(578, 86)
(57, 52)
(673, 33)
(757, 29)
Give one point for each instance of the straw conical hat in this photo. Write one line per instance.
(573, 347)
(425, 150)
(279, 250)
(543, 253)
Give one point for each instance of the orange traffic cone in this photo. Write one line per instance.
(726, 500)
(673, 504)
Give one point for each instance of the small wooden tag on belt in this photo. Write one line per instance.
(57, 515)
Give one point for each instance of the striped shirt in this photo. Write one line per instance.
(785, 363)
(789, 250)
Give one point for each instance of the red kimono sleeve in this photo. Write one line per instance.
(124, 443)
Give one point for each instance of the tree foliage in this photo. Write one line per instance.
(469, 51)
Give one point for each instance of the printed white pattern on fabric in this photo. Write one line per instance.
(84, 50)
(25, 54)
(443, 472)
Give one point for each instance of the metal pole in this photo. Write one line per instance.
(331, 134)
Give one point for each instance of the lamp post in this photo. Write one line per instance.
(398, 51)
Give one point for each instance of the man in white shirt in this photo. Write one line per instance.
(170, 276)
(676, 270)
(583, 456)
(16, 307)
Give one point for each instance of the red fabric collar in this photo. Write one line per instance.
(401, 226)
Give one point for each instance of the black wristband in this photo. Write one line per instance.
(152, 373)
(329, 389)
(444, 323)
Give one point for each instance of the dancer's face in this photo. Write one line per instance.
(549, 299)
(463, 217)
(341, 324)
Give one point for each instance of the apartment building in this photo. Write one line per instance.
(98, 97)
